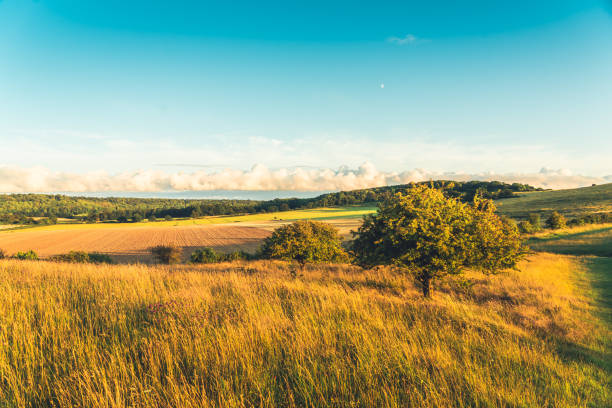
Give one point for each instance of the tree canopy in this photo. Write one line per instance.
(429, 235)
(305, 242)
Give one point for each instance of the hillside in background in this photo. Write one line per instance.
(513, 200)
(571, 203)
(20, 208)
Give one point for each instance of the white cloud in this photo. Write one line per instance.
(390, 152)
(405, 40)
(16, 179)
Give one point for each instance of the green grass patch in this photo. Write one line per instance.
(596, 240)
(570, 203)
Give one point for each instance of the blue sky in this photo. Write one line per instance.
(184, 87)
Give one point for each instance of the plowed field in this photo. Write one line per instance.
(132, 244)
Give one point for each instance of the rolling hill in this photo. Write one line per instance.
(570, 203)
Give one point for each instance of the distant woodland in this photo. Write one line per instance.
(47, 208)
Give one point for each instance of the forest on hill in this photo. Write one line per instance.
(47, 208)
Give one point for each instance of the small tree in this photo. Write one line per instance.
(305, 242)
(429, 236)
(525, 227)
(167, 254)
(556, 221)
(534, 220)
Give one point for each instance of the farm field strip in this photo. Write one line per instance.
(132, 244)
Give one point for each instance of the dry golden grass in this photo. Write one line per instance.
(253, 334)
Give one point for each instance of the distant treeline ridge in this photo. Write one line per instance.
(47, 208)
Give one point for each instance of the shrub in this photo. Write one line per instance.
(2, 254)
(152, 218)
(429, 236)
(167, 254)
(28, 255)
(82, 257)
(305, 242)
(96, 257)
(238, 256)
(204, 255)
(72, 256)
(525, 227)
(168, 218)
(208, 255)
(556, 221)
(593, 218)
(534, 220)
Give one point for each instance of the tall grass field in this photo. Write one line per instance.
(262, 334)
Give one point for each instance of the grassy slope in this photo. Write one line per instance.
(587, 240)
(232, 335)
(568, 202)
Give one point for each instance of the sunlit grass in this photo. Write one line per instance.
(253, 334)
(570, 203)
(584, 240)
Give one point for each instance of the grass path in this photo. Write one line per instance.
(593, 246)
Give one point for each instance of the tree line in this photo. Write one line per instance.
(47, 208)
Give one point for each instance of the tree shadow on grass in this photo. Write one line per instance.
(578, 353)
(145, 257)
(561, 235)
(600, 279)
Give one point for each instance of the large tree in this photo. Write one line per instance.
(305, 242)
(428, 235)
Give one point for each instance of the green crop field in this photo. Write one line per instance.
(570, 203)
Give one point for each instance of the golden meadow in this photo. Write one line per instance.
(256, 334)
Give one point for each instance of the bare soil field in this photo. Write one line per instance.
(127, 243)
(132, 244)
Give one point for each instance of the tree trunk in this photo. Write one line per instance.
(427, 287)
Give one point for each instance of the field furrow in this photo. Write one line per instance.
(132, 244)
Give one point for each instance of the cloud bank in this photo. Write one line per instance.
(14, 179)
